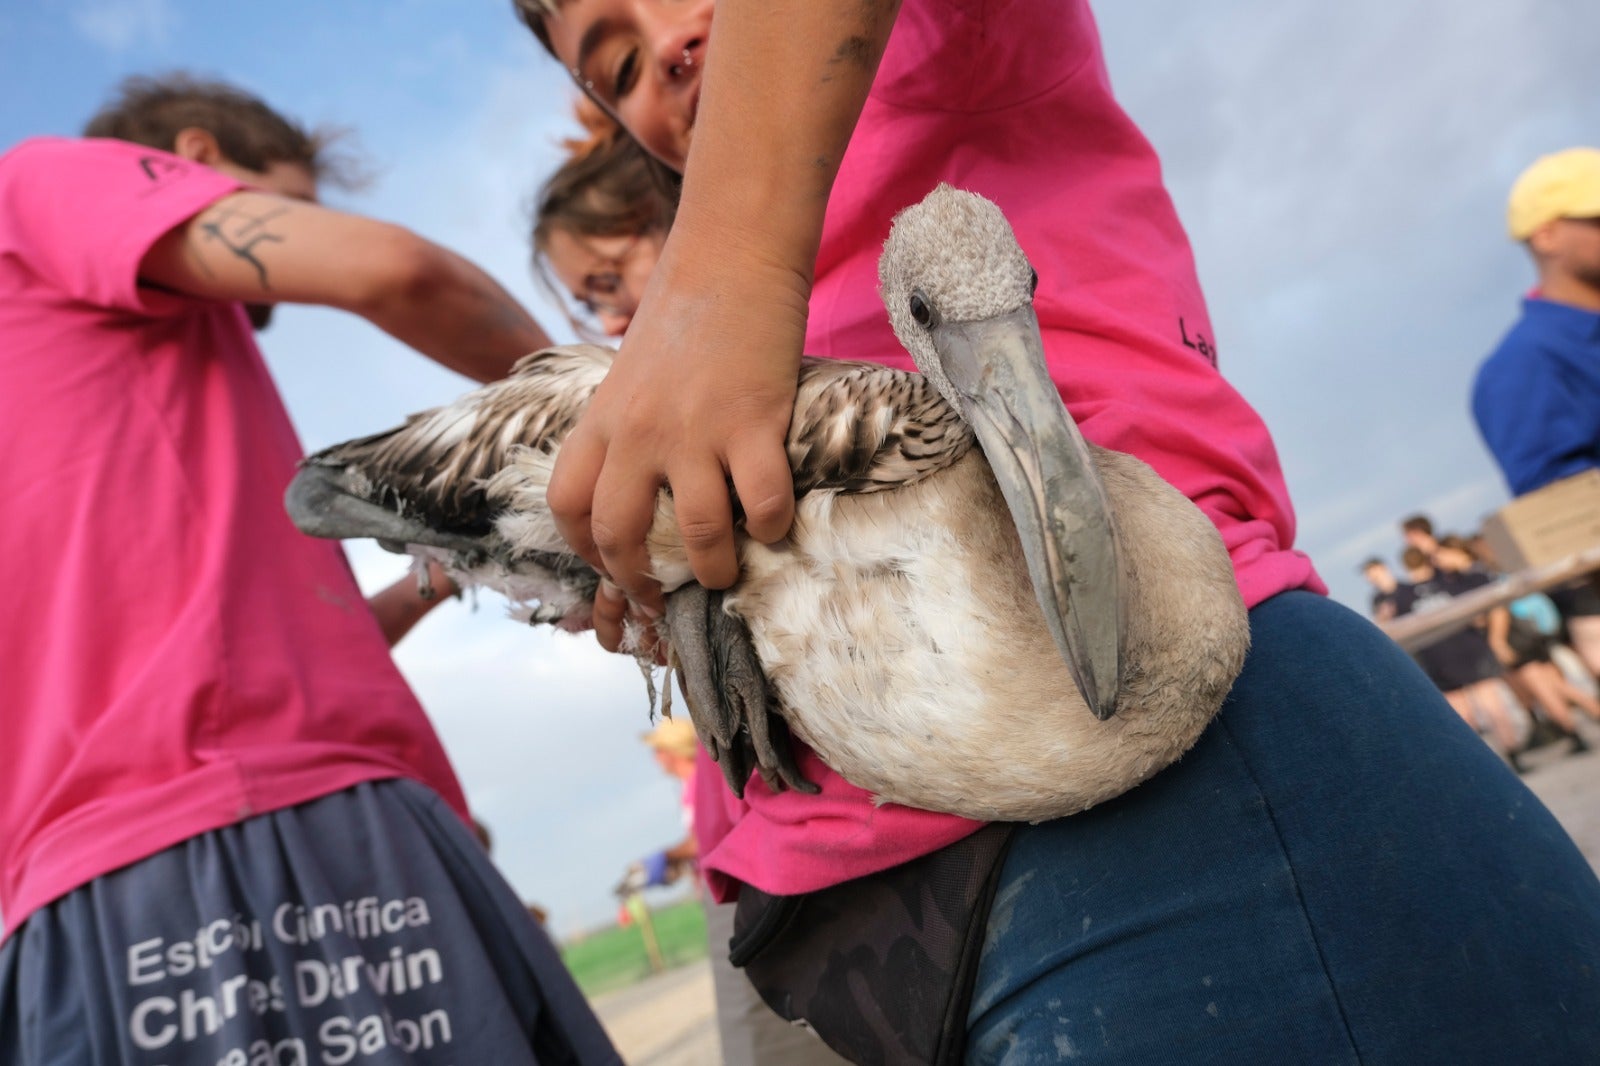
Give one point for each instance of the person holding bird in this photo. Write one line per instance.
(1325, 876)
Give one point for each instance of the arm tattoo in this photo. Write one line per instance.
(239, 231)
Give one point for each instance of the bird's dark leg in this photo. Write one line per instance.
(729, 701)
(742, 682)
(718, 721)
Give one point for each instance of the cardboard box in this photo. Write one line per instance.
(1547, 525)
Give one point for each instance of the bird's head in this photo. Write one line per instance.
(950, 259)
(959, 292)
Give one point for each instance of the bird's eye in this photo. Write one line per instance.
(1033, 281)
(921, 310)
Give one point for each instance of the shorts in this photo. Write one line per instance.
(365, 927)
(1579, 599)
(1459, 660)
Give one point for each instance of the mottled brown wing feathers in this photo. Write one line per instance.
(857, 428)
(862, 428)
(434, 466)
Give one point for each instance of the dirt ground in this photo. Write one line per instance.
(666, 1020)
(669, 1020)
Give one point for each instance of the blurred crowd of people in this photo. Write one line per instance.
(1512, 672)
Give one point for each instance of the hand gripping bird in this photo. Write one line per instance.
(1013, 632)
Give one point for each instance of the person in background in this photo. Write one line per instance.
(1523, 651)
(1417, 532)
(1390, 597)
(1540, 612)
(1466, 665)
(748, 1033)
(675, 747)
(210, 750)
(1536, 398)
(599, 223)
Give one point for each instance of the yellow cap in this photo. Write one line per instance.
(1562, 185)
(674, 735)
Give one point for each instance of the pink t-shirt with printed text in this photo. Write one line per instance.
(177, 656)
(1011, 99)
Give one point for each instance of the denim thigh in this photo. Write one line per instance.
(1339, 872)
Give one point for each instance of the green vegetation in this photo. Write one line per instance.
(617, 956)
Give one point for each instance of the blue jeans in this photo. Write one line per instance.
(1339, 872)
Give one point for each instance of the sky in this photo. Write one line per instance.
(1341, 170)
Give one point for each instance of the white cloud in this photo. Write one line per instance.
(121, 25)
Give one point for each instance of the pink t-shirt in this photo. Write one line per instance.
(176, 656)
(1010, 99)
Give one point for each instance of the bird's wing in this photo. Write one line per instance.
(433, 468)
(857, 428)
(862, 428)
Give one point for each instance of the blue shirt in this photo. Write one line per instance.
(1537, 398)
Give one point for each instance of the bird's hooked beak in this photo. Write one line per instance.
(320, 506)
(1049, 480)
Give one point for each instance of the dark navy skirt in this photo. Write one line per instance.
(366, 927)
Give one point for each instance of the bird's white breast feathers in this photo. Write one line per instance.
(920, 594)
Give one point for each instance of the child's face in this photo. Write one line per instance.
(641, 59)
(605, 275)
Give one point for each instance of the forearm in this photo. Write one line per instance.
(782, 93)
(401, 606)
(684, 850)
(264, 249)
(449, 310)
(703, 386)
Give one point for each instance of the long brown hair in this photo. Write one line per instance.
(606, 188)
(153, 110)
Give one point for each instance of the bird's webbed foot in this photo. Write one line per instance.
(729, 700)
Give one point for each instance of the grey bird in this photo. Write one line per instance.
(1015, 631)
